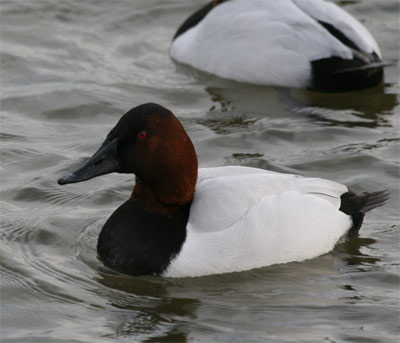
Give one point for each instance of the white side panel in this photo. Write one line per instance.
(243, 218)
(278, 229)
(258, 41)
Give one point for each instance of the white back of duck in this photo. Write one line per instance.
(291, 43)
(284, 218)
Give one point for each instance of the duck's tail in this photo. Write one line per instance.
(335, 74)
(372, 65)
(356, 205)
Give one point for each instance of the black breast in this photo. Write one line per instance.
(137, 242)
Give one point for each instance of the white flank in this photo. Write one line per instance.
(268, 41)
(244, 218)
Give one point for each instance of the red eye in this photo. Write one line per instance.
(142, 134)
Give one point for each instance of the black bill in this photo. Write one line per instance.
(104, 161)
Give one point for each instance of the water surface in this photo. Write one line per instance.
(69, 70)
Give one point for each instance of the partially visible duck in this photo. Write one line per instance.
(310, 44)
(183, 221)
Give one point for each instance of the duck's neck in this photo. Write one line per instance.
(164, 197)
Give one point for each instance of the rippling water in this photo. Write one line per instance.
(69, 70)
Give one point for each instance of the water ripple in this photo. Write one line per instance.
(70, 69)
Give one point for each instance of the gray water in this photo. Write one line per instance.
(69, 70)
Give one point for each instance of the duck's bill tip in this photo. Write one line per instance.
(104, 161)
(68, 178)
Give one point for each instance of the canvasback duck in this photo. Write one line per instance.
(181, 221)
(311, 44)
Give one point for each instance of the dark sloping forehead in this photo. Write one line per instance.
(140, 118)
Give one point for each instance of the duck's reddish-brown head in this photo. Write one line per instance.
(150, 142)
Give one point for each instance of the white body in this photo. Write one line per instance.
(269, 42)
(243, 218)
